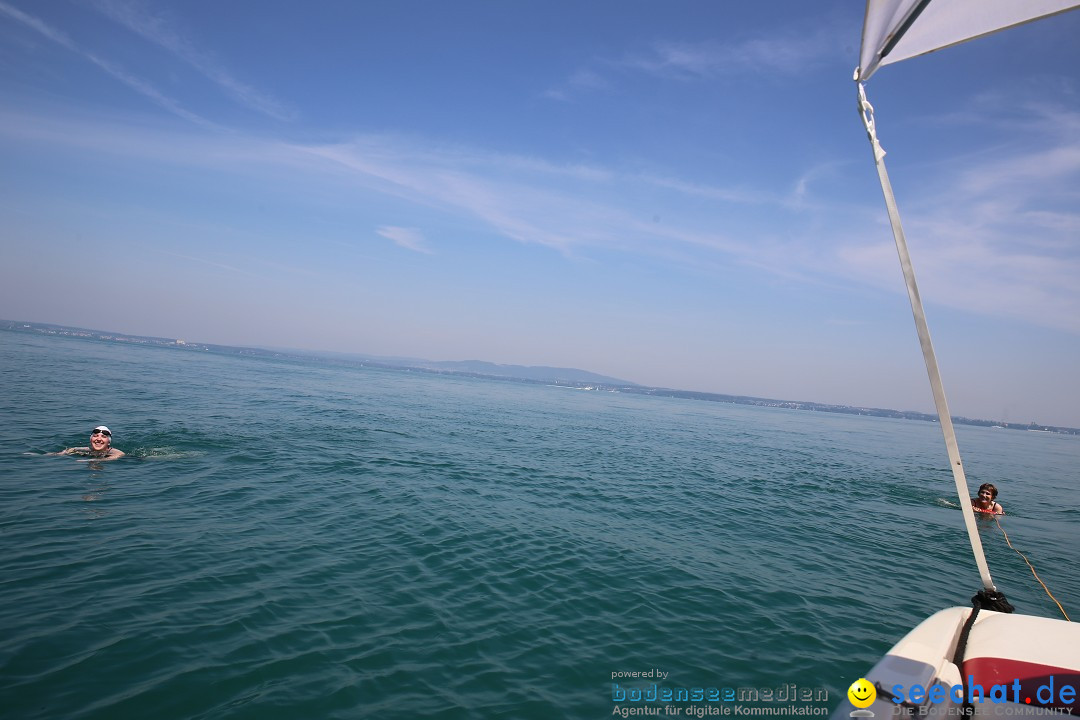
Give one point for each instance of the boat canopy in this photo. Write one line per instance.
(895, 30)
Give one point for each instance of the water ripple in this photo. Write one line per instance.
(293, 541)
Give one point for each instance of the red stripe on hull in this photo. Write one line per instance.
(1033, 677)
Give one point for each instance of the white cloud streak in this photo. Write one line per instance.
(204, 261)
(135, 83)
(581, 81)
(788, 52)
(156, 28)
(972, 250)
(408, 238)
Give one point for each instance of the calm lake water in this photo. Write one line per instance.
(293, 540)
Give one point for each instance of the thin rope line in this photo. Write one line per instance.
(1032, 569)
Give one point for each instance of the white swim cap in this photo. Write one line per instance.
(103, 429)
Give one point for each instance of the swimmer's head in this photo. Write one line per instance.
(987, 487)
(100, 438)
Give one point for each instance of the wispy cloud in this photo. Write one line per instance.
(204, 261)
(116, 71)
(972, 247)
(1027, 174)
(787, 52)
(582, 80)
(723, 194)
(408, 238)
(39, 25)
(997, 235)
(163, 32)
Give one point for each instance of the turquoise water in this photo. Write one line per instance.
(289, 540)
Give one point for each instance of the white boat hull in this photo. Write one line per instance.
(1013, 665)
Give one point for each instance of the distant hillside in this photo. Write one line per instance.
(532, 373)
(480, 368)
(538, 373)
(570, 377)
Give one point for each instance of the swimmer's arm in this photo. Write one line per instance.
(72, 451)
(114, 454)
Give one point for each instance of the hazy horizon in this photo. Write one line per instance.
(680, 196)
(390, 360)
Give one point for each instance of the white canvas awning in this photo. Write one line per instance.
(899, 29)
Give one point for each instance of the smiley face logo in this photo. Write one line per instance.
(862, 693)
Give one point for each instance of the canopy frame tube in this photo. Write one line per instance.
(866, 112)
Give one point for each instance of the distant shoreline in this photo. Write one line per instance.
(563, 377)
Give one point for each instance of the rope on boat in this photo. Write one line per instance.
(1009, 543)
(983, 600)
(961, 649)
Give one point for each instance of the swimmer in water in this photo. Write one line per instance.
(100, 446)
(985, 501)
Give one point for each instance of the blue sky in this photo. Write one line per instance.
(676, 194)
